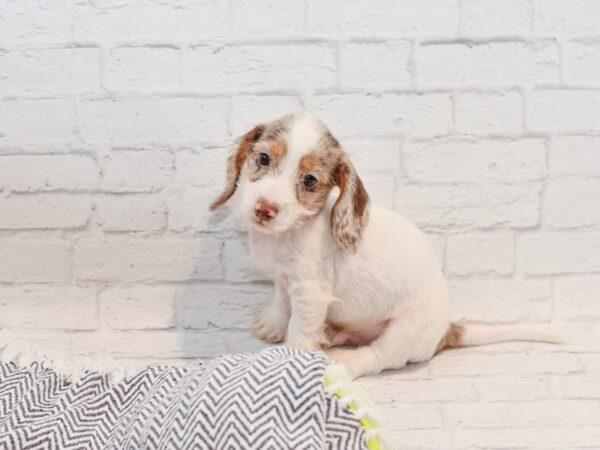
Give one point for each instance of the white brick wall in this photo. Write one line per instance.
(478, 119)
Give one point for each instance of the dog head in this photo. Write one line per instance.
(281, 174)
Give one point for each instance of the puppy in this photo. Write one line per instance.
(346, 272)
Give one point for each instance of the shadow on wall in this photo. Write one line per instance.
(213, 315)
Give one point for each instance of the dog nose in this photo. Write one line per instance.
(265, 211)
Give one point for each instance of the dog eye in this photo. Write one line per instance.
(309, 181)
(264, 159)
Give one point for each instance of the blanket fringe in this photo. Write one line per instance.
(338, 383)
(18, 350)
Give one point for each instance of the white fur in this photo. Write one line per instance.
(392, 277)
(305, 133)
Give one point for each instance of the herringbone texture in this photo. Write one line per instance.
(268, 400)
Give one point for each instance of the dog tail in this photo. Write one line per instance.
(471, 335)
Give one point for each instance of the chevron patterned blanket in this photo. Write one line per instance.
(273, 399)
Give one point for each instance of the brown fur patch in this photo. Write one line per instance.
(308, 163)
(278, 150)
(340, 334)
(452, 338)
(349, 215)
(321, 165)
(235, 163)
(361, 198)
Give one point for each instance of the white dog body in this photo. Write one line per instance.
(393, 277)
(345, 272)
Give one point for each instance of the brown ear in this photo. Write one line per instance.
(350, 212)
(234, 165)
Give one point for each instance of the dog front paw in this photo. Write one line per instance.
(268, 327)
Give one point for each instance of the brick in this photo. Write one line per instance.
(148, 119)
(50, 70)
(267, 17)
(476, 415)
(139, 307)
(52, 119)
(554, 253)
(44, 211)
(385, 63)
(575, 297)
(130, 213)
(374, 156)
(419, 439)
(574, 155)
(146, 21)
(498, 300)
(556, 437)
(583, 386)
(421, 391)
(480, 254)
(220, 306)
(488, 64)
(553, 413)
(250, 110)
(203, 167)
(489, 112)
(591, 362)
(512, 388)
(563, 110)
(582, 337)
(47, 342)
(26, 173)
(457, 207)
(470, 160)
(152, 343)
(492, 18)
(380, 189)
(367, 18)
(572, 202)
(189, 211)
(389, 113)
(259, 66)
(438, 243)
(582, 62)
(70, 308)
(581, 17)
(148, 259)
(414, 417)
(34, 261)
(237, 262)
(465, 364)
(143, 68)
(242, 341)
(136, 170)
(34, 23)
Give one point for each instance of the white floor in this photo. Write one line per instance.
(514, 395)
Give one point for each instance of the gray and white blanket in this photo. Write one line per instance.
(274, 399)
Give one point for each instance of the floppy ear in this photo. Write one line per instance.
(350, 212)
(235, 161)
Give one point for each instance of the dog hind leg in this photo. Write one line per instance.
(412, 337)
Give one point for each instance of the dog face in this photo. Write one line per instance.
(283, 172)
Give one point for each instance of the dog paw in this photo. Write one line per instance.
(268, 327)
(358, 362)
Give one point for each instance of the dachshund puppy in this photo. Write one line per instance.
(348, 274)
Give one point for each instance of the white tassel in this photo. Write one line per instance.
(19, 351)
